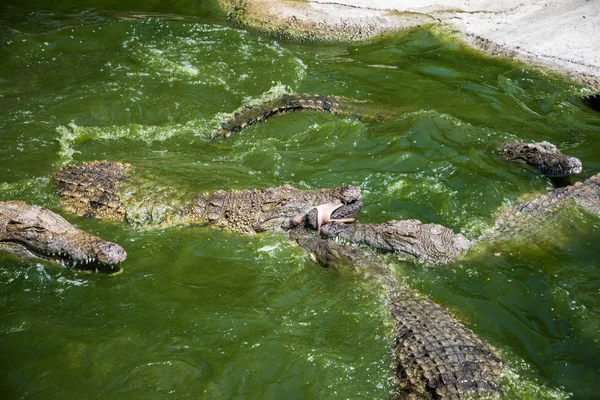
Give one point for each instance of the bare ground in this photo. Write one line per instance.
(553, 34)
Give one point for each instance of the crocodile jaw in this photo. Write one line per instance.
(35, 232)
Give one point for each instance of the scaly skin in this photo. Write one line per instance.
(38, 233)
(543, 156)
(533, 215)
(110, 190)
(436, 244)
(287, 103)
(429, 243)
(435, 356)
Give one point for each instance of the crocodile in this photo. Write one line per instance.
(111, 190)
(428, 243)
(436, 244)
(287, 103)
(34, 232)
(543, 155)
(435, 356)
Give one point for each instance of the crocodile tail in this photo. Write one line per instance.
(286, 103)
(435, 356)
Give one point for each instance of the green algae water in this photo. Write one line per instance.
(201, 313)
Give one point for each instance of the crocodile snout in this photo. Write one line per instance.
(111, 253)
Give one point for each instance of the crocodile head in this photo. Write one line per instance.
(288, 207)
(38, 233)
(544, 156)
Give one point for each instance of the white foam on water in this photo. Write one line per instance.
(268, 248)
(192, 54)
(34, 190)
(72, 135)
(516, 386)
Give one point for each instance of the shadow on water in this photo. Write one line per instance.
(592, 101)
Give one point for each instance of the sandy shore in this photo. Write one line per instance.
(554, 34)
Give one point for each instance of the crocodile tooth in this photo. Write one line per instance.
(96, 270)
(75, 263)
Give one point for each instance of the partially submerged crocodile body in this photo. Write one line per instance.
(110, 190)
(35, 232)
(543, 155)
(286, 103)
(430, 243)
(433, 243)
(536, 211)
(435, 356)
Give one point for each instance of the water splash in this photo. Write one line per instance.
(72, 135)
(35, 190)
(157, 55)
(517, 385)
(274, 92)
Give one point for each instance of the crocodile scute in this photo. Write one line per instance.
(544, 156)
(288, 103)
(112, 190)
(435, 356)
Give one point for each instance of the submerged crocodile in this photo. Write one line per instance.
(287, 103)
(110, 190)
(543, 155)
(433, 243)
(434, 353)
(31, 231)
(435, 356)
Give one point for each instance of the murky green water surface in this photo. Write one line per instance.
(200, 313)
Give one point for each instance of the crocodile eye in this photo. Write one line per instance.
(33, 228)
(37, 229)
(17, 225)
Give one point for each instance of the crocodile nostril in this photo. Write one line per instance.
(111, 253)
